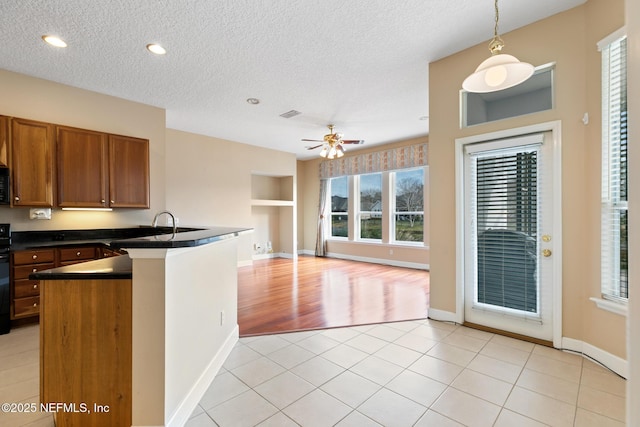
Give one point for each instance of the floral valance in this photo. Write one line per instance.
(380, 161)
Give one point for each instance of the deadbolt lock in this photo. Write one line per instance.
(546, 238)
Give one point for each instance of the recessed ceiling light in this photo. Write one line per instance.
(253, 101)
(156, 48)
(54, 41)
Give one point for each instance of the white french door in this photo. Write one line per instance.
(508, 224)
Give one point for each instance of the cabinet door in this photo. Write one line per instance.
(32, 163)
(4, 141)
(82, 168)
(128, 172)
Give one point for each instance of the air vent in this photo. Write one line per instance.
(290, 113)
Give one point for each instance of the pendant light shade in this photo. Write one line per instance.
(499, 71)
(496, 73)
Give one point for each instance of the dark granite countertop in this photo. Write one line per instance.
(119, 238)
(117, 267)
(181, 239)
(133, 237)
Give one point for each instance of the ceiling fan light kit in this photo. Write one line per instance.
(499, 71)
(332, 144)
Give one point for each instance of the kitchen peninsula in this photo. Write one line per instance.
(168, 312)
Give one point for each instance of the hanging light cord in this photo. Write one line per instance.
(496, 44)
(495, 27)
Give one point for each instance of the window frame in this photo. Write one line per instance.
(394, 208)
(387, 213)
(613, 204)
(332, 213)
(359, 212)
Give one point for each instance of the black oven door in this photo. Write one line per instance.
(5, 301)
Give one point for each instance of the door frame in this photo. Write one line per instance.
(555, 128)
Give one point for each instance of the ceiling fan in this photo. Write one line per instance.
(332, 144)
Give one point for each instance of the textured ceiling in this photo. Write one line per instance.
(361, 64)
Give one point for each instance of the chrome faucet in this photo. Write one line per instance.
(154, 224)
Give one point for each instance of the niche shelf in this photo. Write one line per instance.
(274, 215)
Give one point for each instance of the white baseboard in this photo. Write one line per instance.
(441, 315)
(307, 252)
(264, 256)
(617, 364)
(392, 262)
(190, 401)
(284, 255)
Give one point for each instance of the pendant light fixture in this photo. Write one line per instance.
(499, 71)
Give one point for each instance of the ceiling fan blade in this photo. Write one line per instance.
(313, 140)
(353, 141)
(313, 148)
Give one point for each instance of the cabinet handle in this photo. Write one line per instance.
(34, 270)
(113, 201)
(35, 257)
(17, 199)
(103, 201)
(35, 304)
(35, 286)
(78, 253)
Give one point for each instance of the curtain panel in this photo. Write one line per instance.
(321, 240)
(380, 161)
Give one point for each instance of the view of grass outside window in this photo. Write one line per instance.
(409, 205)
(370, 213)
(339, 207)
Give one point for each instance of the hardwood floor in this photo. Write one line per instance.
(280, 295)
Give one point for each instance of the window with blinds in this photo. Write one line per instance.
(505, 211)
(614, 265)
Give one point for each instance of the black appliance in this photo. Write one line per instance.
(5, 299)
(4, 186)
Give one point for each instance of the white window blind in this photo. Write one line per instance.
(504, 208)
(614, 239)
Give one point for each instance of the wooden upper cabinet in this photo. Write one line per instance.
(82, 168)
(4, 141)
(32, 163)
(128, 172)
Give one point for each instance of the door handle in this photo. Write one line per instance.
(546, 252)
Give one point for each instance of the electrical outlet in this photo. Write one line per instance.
(390, 251)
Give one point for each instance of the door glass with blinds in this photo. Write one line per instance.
(507, 282)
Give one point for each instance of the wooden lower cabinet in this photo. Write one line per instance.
(69, 256)
(25, 293)
(85, 351)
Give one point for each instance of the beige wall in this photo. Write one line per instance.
(38, 99)
(568, 39)
(308, 197)
(209, 182)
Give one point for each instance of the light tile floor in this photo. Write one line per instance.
(416, 373)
